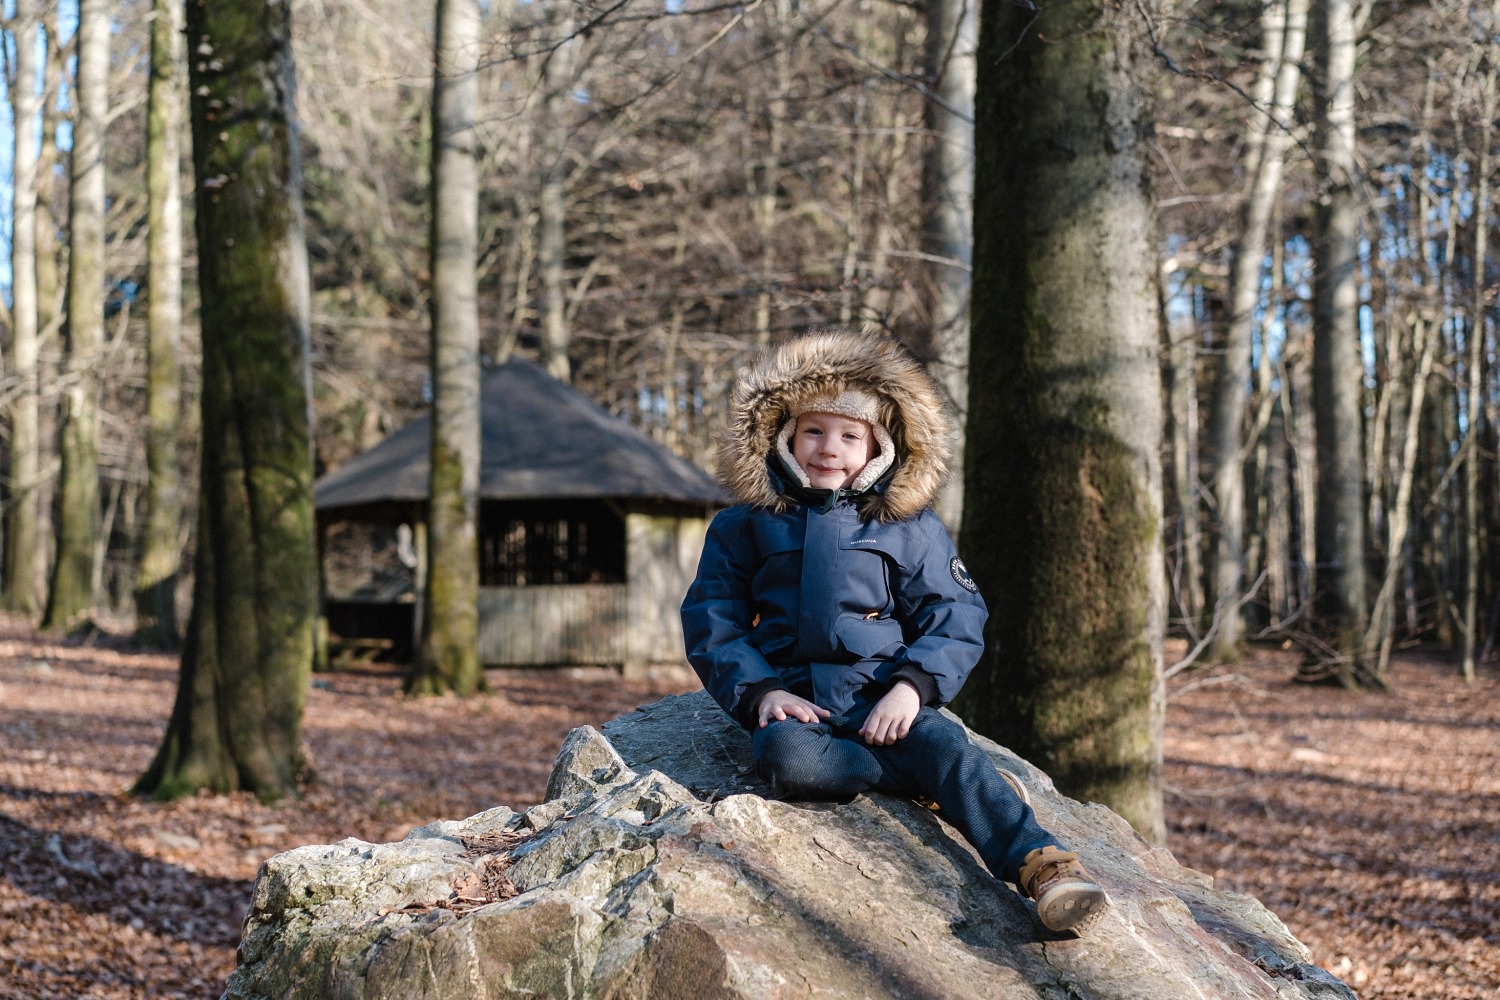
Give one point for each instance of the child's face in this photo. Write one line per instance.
(832, 449)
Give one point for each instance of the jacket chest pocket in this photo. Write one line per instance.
(865, 583)
(866, 638)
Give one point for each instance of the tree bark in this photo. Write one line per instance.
(947, 216)
(552, 206)
(448, 657)
(21, 595)
(1475, 367)
(765, 188)
(70, 597)
(1340, 602)
(1180, 393)
(1285, 32)
(156, 579)
(1062, 471)
(248, 653)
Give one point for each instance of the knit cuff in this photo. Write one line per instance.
(750, 700)
(920, 679)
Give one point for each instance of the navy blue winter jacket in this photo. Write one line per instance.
(831, 606)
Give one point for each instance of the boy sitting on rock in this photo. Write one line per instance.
(831, 617)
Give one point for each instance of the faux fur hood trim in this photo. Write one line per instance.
(824, 363)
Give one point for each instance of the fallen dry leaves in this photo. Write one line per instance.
(1368, 823)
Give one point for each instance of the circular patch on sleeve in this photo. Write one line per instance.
(961, 575)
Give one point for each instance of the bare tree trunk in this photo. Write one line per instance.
(1473, 466)
(1399, 519)
(1063, 481)
(947, 220)
(70, 597)
(1285, 31)
(21, 534)
(1180, 392)
(156, 581)
(448, 659)
(552, 240)
(49, 289)
(1337, 367)
(850, 285)
(248, 652)
(768, 170)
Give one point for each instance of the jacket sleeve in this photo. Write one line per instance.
(942, 613)
(717, 614)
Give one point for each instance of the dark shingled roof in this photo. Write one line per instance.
(541, 440)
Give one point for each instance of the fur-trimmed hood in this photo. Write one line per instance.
(826, 363)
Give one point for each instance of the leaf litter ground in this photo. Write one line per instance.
(1369, 823)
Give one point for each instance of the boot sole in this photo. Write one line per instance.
(1072, 906)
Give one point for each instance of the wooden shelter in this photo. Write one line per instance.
(589, 531)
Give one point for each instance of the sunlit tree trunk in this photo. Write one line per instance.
(1338, 369)
(947, 213)
(1284, 30)
(1063, 495)
(447, 658)
(156, 580)
(248, 652)
(552, 221)
(21, 535)
(70, 596)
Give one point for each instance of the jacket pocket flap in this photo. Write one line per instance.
(869, 636)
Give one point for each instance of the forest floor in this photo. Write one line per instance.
(1369, 823)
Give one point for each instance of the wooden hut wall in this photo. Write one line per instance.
(553, 624)
(633, 625)
(662, 559)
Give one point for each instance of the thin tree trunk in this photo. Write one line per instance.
(552, 240)
(850, 285)
(1181, 397)
(1285, 24)
(768, 170)
(1063, 485)
(1399, 519)
(448, 658)
(947, 220)
(156, 581)
(1337, 367)
(70, 597)
(1473, 467)
(248, 652)
(21, 535)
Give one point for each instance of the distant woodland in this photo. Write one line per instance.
(664, 188)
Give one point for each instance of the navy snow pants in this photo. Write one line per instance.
(935, 760)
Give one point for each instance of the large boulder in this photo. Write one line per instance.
(657, 869)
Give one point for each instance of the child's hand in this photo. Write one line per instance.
(781, 705)
(893, 715)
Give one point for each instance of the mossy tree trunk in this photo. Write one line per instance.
(248, 650)
(1062, 508)
(447, 659)
(70, 596)
(156, 580)
(21, 531)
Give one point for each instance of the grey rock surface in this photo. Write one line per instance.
(657, 869)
